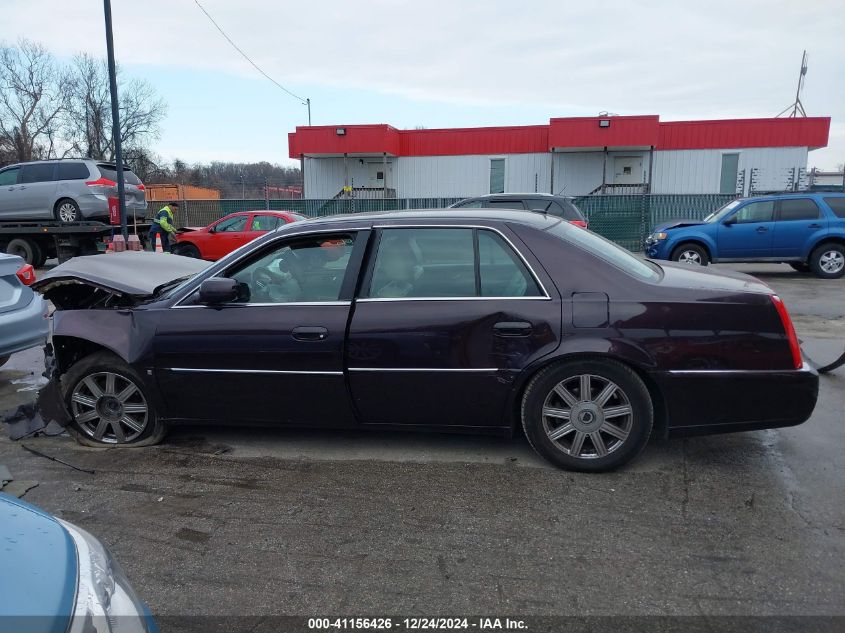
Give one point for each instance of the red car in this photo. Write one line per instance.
(230, 232)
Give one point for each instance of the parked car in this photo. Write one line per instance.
(807, 231)
(561, 206)
(23, 320)
(57, 577)
(230, 232)
(447, 320)
(67, 190)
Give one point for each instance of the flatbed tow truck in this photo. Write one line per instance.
(36, 241)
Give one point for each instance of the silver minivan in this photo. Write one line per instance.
(67, 190)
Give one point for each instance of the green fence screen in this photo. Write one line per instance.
(624, 219)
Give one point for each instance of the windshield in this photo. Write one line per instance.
(722, 211)
(608, 251)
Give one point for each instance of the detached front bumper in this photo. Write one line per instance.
(702, 402)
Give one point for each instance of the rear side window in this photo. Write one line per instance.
(799, 209)
(38, 172)
(73, 171)
(756, 212)
(505, 204)
(566, 210)
(837, 205)
(110, 172)
(471, 204)
(501, 272)
(266, 222)
(9, 176)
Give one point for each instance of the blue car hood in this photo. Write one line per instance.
(675, 224)
(38, 569)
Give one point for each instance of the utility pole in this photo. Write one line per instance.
(115, 117)
(308, 103)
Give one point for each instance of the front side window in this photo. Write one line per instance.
(231, 225)
(755, 212)
(305, 269)
(37, 172)
(9, 176)
(448, 263)
(798, 209)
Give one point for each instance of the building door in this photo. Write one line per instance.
(727, 180)
(628, 170)
(375, 175)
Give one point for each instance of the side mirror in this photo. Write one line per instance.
(218, 290)
(731, 220)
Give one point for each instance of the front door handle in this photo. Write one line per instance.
(762, 229)
(512, 328)
(309, 333)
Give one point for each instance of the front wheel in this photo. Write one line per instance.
(588, 415)
(828, 261)
(691, 254)
(187, 250)
(109, 404)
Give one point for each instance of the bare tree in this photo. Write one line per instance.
(89, 124)
(33, 98)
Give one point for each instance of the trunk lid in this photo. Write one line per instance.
(698, 277)
(13, 294)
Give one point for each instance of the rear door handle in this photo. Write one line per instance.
(512, 328)
(762, 229)
(310, 333)
(814, 226)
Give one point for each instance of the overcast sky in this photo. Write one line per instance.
(452, 63)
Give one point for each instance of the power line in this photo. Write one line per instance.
(247, 58)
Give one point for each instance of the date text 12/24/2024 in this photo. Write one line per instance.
(416, 624)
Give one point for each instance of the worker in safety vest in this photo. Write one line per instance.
(164, 225)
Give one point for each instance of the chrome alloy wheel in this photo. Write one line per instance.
(689, 257)
(109, 407)
(587, 416)
(832, 262)
(67, 212)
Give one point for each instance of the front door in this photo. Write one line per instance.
(446, 320)
(276, 354)
(36, 190)
(628, 170)
(8, 190)
(227, 235)
(750, 234)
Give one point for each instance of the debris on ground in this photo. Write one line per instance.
(57, 460)
(27, 421)
(15, 488)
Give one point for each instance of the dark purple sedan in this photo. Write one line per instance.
(469, 320)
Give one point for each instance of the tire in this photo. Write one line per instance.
(691, 254)
(828, 261)
(42, 259)
(25, 248)
(801, 267)
(99, 420)
(66, 210)
(622, 436)
(4, 360)
(187, 250)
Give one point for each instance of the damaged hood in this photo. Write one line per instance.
(130, 276)
(676, 224)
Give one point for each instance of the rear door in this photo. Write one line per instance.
(36, 190)
(447, 318)
(799, 222)
(276, 354)
(750, 236)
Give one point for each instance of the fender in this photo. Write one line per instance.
(114, 330)
(692, 236)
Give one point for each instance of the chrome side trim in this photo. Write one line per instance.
(267, 305)
(383, 299)
(486, 228)
(682, 372)
(425, 369)
(194, 370)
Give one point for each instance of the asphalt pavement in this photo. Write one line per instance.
(266, 522)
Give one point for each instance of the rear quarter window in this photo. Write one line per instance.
(110, 172)
(837, 205)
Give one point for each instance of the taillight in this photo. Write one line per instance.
(580, 223)
(101, 182)
(789, 330)
(26, 274)
(140, 187)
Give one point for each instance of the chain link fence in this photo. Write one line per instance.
(624, 219)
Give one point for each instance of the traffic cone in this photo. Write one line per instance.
(109, 247)
(159, 248)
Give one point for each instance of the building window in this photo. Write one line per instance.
(497, 175)
(730, 166)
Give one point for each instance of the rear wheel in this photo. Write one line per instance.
(187, 250)
(67, 211)
(26, 249)
(589, 415)
(828, 261)
(692, 254)
(109, 404)
(801, 267)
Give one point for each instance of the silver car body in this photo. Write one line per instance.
(23, 320)
(38, 190)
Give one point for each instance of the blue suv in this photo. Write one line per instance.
(807, 231)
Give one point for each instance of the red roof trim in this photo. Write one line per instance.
(565, 132)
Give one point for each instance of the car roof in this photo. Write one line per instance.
(535, 194)
(529, 218)
(791, 194)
